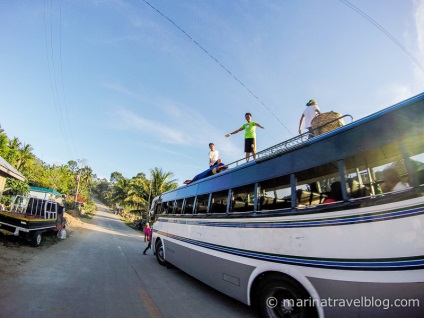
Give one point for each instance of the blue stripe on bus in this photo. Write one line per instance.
(384, 264)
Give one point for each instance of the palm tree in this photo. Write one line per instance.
(24, 156)
(120, 192)
(138, 192)
(161, 181)
(13, 151)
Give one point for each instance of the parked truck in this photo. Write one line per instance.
(30, 216)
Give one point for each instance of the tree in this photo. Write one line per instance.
(138, 192)
(13, 151)
(161, 181)
(73, 165)
(116, 176)
(24, 155)
(120, 192)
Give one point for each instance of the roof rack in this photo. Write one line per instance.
(289, 144)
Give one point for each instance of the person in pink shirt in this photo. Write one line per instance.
(147, 231)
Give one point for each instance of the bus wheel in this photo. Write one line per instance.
(278, 296)
(160, 255)
(36, 239)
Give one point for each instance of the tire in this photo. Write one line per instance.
(160, 255)
(279, 296)
(36, 239)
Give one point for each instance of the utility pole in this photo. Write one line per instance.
(148, 202)
(77, 178)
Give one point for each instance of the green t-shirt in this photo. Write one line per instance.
(249, 130)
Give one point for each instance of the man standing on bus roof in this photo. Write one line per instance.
(309, 113)
(249, 135)
(213, 155)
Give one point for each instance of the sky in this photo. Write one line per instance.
(128, 86)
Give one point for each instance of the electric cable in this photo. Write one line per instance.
(387, 33)
(216, 60)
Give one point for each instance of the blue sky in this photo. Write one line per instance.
(119, 85)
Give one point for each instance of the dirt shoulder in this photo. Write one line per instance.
(16, 251)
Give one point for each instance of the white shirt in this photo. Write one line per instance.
(401, 186)
(213, 157)
(310, 113)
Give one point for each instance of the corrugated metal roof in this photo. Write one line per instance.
(8, 170)
(44, 190)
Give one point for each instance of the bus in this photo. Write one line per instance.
(317, 226)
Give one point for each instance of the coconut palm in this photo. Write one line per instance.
(138, 192)
(25, 154)
(120, 192)
(161, 181)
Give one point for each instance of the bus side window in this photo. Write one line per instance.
(161, 208)
(243, 198)
(202, 203)
(178, 206)
(274, 194)
(313, 185)
(219, 202)
(167, 206)
(188, 206)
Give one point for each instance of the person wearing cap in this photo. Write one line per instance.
(309, 113)
(249, 135)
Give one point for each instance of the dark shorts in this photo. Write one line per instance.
(249, 145)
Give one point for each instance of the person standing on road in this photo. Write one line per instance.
(150, 242)
(147, 231)
(249, 135)
(213, 155)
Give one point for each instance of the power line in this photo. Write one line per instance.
(53, 80)
(216, 60)
(61, 75)
(387, 33)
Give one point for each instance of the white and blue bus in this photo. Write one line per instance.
(314, 227)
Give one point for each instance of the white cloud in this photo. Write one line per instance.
(148, 126)
(120, 89)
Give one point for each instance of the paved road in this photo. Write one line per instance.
(101, 272)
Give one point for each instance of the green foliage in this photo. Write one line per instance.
(130, 194)
(14, 187)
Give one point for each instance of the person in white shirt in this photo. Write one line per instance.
(309, 113)
(392, 181)
(213, 155)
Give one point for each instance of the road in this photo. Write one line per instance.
(101, 272)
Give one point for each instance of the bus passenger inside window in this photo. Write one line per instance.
(335, 193)
(392, 181)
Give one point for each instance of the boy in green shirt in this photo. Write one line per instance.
(249, 135)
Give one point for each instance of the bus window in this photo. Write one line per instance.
(242, 198)
(169, 206)
(274, 194)
(178, 206)
(219, 202)
(418, 163)
(188, 206)
(317, 185)
(359, 184)
(391, 177)
(202, 203)
(162, 208)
